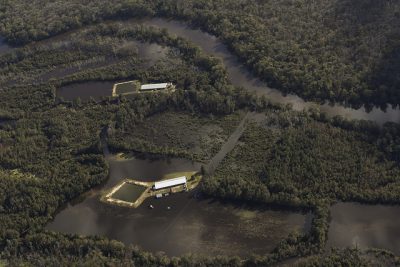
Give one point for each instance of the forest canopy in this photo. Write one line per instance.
(341, 50)
(51, 149)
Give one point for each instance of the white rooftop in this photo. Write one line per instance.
(154, 86)
(170, 182)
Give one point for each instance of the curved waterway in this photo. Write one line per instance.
(192, 225)
(365, 226)
(240, 76)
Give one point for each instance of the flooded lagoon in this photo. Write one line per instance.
(85, 91)
(192, 225)
(363, 226)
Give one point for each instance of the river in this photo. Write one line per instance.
(192, 225)
(208, 227)
(240, 76)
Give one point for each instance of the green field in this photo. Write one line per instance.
(129, 192)
(127, 88)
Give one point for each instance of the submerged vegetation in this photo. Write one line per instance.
(51, 149)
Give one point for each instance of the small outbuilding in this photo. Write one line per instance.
(170, 183)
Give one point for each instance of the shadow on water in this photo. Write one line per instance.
(363, 226)
(4, 48)
(191, 225)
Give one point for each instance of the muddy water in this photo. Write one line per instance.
(192, 225)
(363, 226)
(149, 53)
(85, 91)
(240, 76)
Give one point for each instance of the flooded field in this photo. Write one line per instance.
(65, 71)
(149, 53)
(363, 226)
(192, 225)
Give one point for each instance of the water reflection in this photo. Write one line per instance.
(192, 225)
(240, 76)
(357, 225)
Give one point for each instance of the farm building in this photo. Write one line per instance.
(155, 86)
(170, 183)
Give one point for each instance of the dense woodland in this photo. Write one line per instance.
(51, 149)
(341, 50)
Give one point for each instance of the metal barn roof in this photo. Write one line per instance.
(170, 182)
(154, 86)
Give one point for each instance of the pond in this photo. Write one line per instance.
(85, 91)
(191, 225)
(129, 192)
(363, 226)
(239, 75)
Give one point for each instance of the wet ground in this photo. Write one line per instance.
(363, 226)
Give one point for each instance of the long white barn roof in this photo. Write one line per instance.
(154, 86)
(170, 182)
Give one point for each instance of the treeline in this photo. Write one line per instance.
(307, 161)
(52, 152)
(342, 50)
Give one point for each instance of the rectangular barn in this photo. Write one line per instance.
(154, 86)
(170, 183)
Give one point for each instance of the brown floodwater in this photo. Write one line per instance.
(363, 226)
(149, 53)
(239, 75)
(191, 225)
(85, 91)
